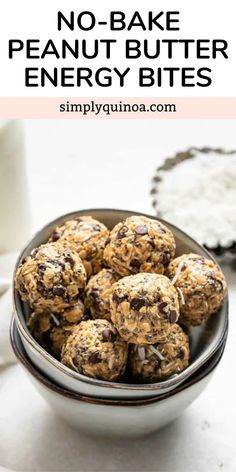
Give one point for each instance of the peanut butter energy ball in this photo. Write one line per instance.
(52, 329)
(98, 291)
(51, 279)
(201, 287)
(139, 244)
(88, 237)
(151, 363)
(95, 349)
(143, 307)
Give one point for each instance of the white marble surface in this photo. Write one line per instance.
(74, 165)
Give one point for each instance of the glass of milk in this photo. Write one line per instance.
(14, 201)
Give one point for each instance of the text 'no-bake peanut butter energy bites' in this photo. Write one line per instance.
(114, 303)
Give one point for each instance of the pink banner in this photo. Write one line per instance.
(117, 108)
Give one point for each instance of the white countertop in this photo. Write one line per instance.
(75, 165)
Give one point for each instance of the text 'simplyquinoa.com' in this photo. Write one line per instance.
(96, 108)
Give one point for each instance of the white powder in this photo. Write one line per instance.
(199, 196)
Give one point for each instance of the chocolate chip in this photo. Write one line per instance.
(135, 264)
(180, 353)
(96, 227)
(165, 258)
(55, 236)
(42, 268)
(143, 292)
(137, 303)
(108, 335)
(94, 358)
(118, 299)
(173, 316)
(70, 261)
(211, 279)
(80, 293)
(46, 293)
(215, 282)
(86, 316)
(161, 307)
(115, 298)
(59, 290)
(160, 228)
(94, 294)
(22, 288)
(97, 305)
(122, 232)
(141, 230)
(152, 244)
(220, 284)
(157, 297)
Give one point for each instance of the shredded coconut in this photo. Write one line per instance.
(179, 268)
(57, 323)
(199, 196)
(157, 353)
(141, 353)
(181, 295)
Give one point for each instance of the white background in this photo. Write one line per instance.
(86, 164)
(202, 19)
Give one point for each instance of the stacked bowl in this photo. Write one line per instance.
(118, 408)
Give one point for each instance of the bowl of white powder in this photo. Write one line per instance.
(196, 191)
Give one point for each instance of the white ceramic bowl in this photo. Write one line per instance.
(205, 339)
(116, 418)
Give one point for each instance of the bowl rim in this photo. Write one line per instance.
(158, 386)
(22, 357)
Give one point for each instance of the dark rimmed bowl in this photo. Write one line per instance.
(116, 418)
(205, 340)
(219, 250)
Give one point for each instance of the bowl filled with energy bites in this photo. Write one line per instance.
(113, 304)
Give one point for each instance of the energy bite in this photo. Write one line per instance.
(97, 293)
(151, 363)
(139, 244)
(52, 329)
(95, 349)
(201, 287)
(88, 237)
(51, 279)
(143, 307)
